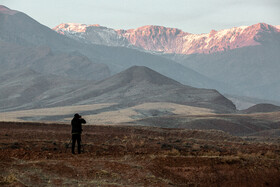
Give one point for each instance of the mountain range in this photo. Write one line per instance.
(41, 68)
(172, 40)
(242, 60)
(92, 61)
(89, 58)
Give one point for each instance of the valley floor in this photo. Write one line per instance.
(36, 154)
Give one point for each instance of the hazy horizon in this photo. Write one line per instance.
(194, 16)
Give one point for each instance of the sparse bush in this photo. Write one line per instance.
(102, 173)
(152, 156)
(15, 146)
(188, 145)
(8, 179)
(196, 147)
(271, 155)
(211, 153)
(172, 152)
(166, 146)
(231, 160)
(248, 155)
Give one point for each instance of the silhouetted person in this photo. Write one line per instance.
(76, 132)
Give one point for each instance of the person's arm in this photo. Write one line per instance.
(83, 121)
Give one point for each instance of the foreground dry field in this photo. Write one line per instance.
(33, 154)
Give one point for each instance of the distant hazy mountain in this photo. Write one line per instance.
(243, 102)
(250, 71)
(172, 40)
(21, 29)
(26, 43)
(44, 60)
(27, 89)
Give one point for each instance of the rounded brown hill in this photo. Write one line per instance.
(138, 74)
(140, 84)
(263, 107)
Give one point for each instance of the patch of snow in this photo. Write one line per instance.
(95, 34)
(277, 26)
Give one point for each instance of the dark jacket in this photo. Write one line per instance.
(77, 125)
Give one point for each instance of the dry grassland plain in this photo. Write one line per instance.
(36, 154)
(117, 152)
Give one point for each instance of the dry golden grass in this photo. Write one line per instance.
(16, 115)
(131, 114)
(109, 117)
(273, 116)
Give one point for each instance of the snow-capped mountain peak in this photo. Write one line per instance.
(73, 27)
(172, 40)
(95, 34)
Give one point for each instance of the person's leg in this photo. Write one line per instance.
(74, 138)
(79, 143)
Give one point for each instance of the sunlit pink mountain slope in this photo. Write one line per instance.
(172, 40)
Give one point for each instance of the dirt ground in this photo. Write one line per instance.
(33, 154)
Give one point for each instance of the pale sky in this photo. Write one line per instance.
(194, 16)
